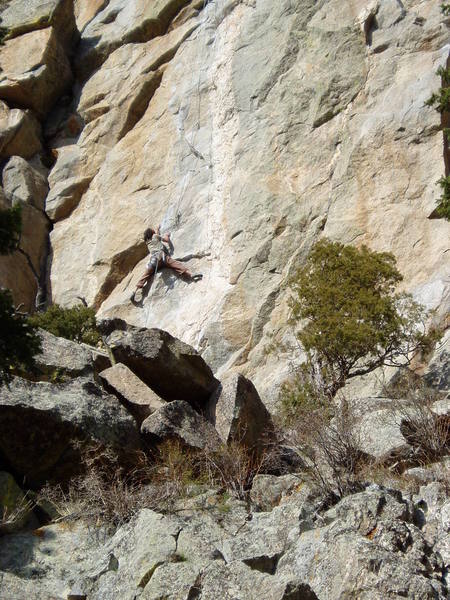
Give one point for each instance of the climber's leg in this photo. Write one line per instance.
(180, 268)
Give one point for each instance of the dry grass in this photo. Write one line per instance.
(330, 449)
(415, 414)
(109, 494)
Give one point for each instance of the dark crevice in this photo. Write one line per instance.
(141, 102)
(196, 590)
(120, 266)
(370, 25)
(264, 564)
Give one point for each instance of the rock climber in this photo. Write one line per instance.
(159, 248)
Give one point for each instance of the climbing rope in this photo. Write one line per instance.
(191, 144)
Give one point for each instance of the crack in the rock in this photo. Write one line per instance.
(120, 266)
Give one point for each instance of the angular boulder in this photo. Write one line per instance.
(237, 412)
(24, 183)
(171, 368)
(177, 420)
(42, 425)
(134, 395)
(62, 358)
(20, 133)
(35, 70)
(23, 16)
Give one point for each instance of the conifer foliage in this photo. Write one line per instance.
(353, 320)
(19, 340)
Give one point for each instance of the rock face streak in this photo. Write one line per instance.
(248, 129)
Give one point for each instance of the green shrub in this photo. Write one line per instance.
(10, 229)
(443, 207)
(76, 323)
(353, 321)
(445, 8)
(440, 100)
(19, 341)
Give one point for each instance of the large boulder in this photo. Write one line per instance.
(60, 358)
(22, 16)
(177, 420)
(237, 412)
(42, 425)
(133, 394)
(35, 70)
(20, 133)
(173, 369)
(24, 183)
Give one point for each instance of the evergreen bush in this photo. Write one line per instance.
(352, 320)
(77, 323)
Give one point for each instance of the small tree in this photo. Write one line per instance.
(354, 322)
(19, 341)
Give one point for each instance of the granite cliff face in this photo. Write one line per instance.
(247, 128)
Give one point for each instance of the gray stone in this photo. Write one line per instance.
(174, 581)
(47, 563)
(139, 548)
(237, 580)
(42, 423)
(20, 133)
(269, 490)
(23, 183)
(168, 366)
(264, 539)
(370, 548)
(380, 435)
(178, 420)
(438, 370)
(137, 398)
(35, 70)
(238, 414)
(61, 358)
(22, 16)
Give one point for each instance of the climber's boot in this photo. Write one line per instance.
(197, 276)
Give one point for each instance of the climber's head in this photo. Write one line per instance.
(148, 234)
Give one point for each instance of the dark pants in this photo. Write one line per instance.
(168, 263)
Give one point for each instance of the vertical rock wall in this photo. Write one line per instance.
(248, 129)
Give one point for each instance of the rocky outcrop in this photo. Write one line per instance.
(174, 370)
(372, 534)
(177, 420)
(45, 421)
(368, 544)
(260, 155)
